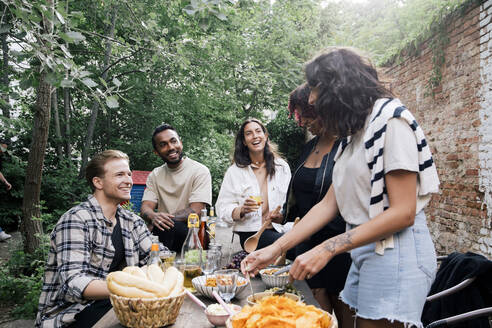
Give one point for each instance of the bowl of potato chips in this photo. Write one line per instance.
(281, 312)
(205, 285)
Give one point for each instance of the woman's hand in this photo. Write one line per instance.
(310, 263)
(275, 215)
(249, 205)
(260, 259)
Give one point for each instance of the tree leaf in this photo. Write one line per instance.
(117, 82)
(84, 74)
(112, 102)
(89, 82)
(103, 82)
(66, 83)
(60, 17)
(190, 10)
(76, 37)
(25, 84)
(4, 28)
(221, 16)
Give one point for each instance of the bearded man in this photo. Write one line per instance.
(174, 190)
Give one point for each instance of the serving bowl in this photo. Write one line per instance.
(259, 296)
(220, 319)
(274, 281)
(202, 289)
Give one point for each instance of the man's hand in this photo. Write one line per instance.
(162, 220)
(8, 185)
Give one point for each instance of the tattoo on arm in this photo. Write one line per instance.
(337, 242)
(182, 215)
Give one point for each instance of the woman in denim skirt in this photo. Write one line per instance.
(383, 178)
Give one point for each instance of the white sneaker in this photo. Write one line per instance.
(4, 236)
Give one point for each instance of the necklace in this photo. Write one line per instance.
(258, 164)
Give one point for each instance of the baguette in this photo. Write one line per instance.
(178, 278)
(136, 271)
(127, 291)
(155, 274)
(128, 280)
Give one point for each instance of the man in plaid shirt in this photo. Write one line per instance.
(90, 240)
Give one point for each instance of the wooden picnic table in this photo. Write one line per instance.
(191, 315)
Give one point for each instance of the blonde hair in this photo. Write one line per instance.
(95, 167)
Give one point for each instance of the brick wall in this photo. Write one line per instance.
(457, 121)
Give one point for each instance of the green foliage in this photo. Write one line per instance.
(288, 136)
(383, 28)
(21, 280)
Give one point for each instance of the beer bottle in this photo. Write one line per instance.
(211, 221)
(202, 232)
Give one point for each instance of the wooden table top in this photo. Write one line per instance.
(191, 315)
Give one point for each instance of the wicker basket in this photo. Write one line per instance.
(152, 312)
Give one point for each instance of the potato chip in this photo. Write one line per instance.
(281, 312)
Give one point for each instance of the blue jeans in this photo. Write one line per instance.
(393, 286)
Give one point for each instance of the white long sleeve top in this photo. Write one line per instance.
(240, 183)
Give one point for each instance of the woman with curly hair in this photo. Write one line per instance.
(310, 181)
(383, 178)
(257, 171)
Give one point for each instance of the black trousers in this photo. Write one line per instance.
(174, 237)
(89, 316)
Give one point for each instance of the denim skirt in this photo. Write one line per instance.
(393, 286)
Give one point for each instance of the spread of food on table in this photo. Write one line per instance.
(276, 307)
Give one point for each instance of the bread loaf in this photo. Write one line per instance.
(155, 274)
(175, 277)
(136, 271)
(125, 279)
(134, 282)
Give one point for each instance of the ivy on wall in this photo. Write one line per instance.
(437, 39)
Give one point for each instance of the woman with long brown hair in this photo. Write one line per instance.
(254, 185)
(383, 178)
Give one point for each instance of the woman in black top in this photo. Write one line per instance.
(309, 184)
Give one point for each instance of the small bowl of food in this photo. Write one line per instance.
(258, 296)
(217, 315)
(205, 285)
(271, 280)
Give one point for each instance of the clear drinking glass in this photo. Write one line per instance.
(210, 264)
(259, 201)
(167, 258)
(226, 283)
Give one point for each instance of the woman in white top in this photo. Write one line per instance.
(383, 177)
(256, 172)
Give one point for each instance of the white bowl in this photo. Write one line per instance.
(199, 284)
(274, 281)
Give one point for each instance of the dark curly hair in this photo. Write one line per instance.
(347, 86)
(299, 99)
(241, 153)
